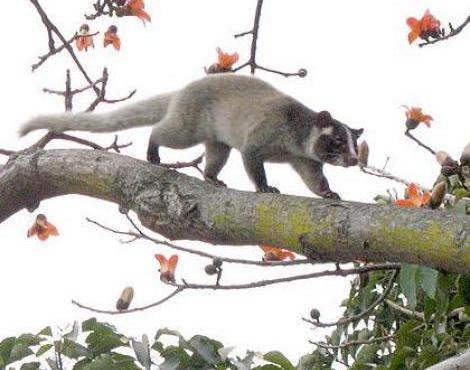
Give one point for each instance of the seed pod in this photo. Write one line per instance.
(363, 153)
(465, 157)
(302, 72)
(315, 314)
(211, 270)
(441, 157)
(438, 194)
(125, 299)
(84, 29)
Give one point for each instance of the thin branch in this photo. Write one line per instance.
(51, 28)
(254, 32)
(101, 97)
(421, 144)
(73, 92)
(100, 9)
(141, 235)
(380, 172)
(54, 50)
(142, 308)
(366, 312)
(50, 136)
(7, 152)
(178, 165)
(406, 311)
(263, 283)
(453, 32)
(354, 343)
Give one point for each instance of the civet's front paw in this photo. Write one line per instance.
(268, 189)
(331, 195)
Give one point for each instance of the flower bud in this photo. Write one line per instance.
(363, 153)
(438, 194)
(125, 299)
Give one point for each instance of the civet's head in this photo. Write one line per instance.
(333, 142)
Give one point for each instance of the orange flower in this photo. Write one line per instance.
(415, 198)
(226, 61)
(42, 228)
(427, 26)
(276, 254)
(167, 267)
(415, 116)
(83, 41)
(111, 38)
(136, 7)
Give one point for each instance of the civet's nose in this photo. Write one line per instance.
(352, 161)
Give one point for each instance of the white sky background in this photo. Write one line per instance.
(361, 69)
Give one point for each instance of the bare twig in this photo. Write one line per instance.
(254, 32)
(142, 308)
(178, 165)
(263, 283)
(51, 28)
(100, 9)
(7, 152)
(50, 136)
(354, 343)
(101, 97)
(367, 311)
(453, 32)
(378, 172)
(408, 133)
(405, 311)
(141, 235)
(54, 50)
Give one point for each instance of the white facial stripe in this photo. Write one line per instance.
(327, 131)
(309, 144)
(352, 149)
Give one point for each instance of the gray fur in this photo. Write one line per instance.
(228, 111)
(144, 113)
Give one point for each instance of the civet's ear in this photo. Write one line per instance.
(324, 119)
(357, 132)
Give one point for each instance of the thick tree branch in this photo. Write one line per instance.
(460, 362)
(181, 207)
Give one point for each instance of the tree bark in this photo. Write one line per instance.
(460, 362)
(182, 207)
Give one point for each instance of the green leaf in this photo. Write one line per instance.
(74, 350)
(368, 353)
(103, 340)
(206, 348)
(46, 332)
(113, 361)
(444, 284)
(464, 288)
(428, 278)
(6, 347)
(31, 366)
(408, 283)
(278, 358)
(19, 352)
(429, 356)
(142, 352)
(406, 336)
(29, 340)
(175, 358)
(43, 349)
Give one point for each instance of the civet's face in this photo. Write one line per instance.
(336, 143)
